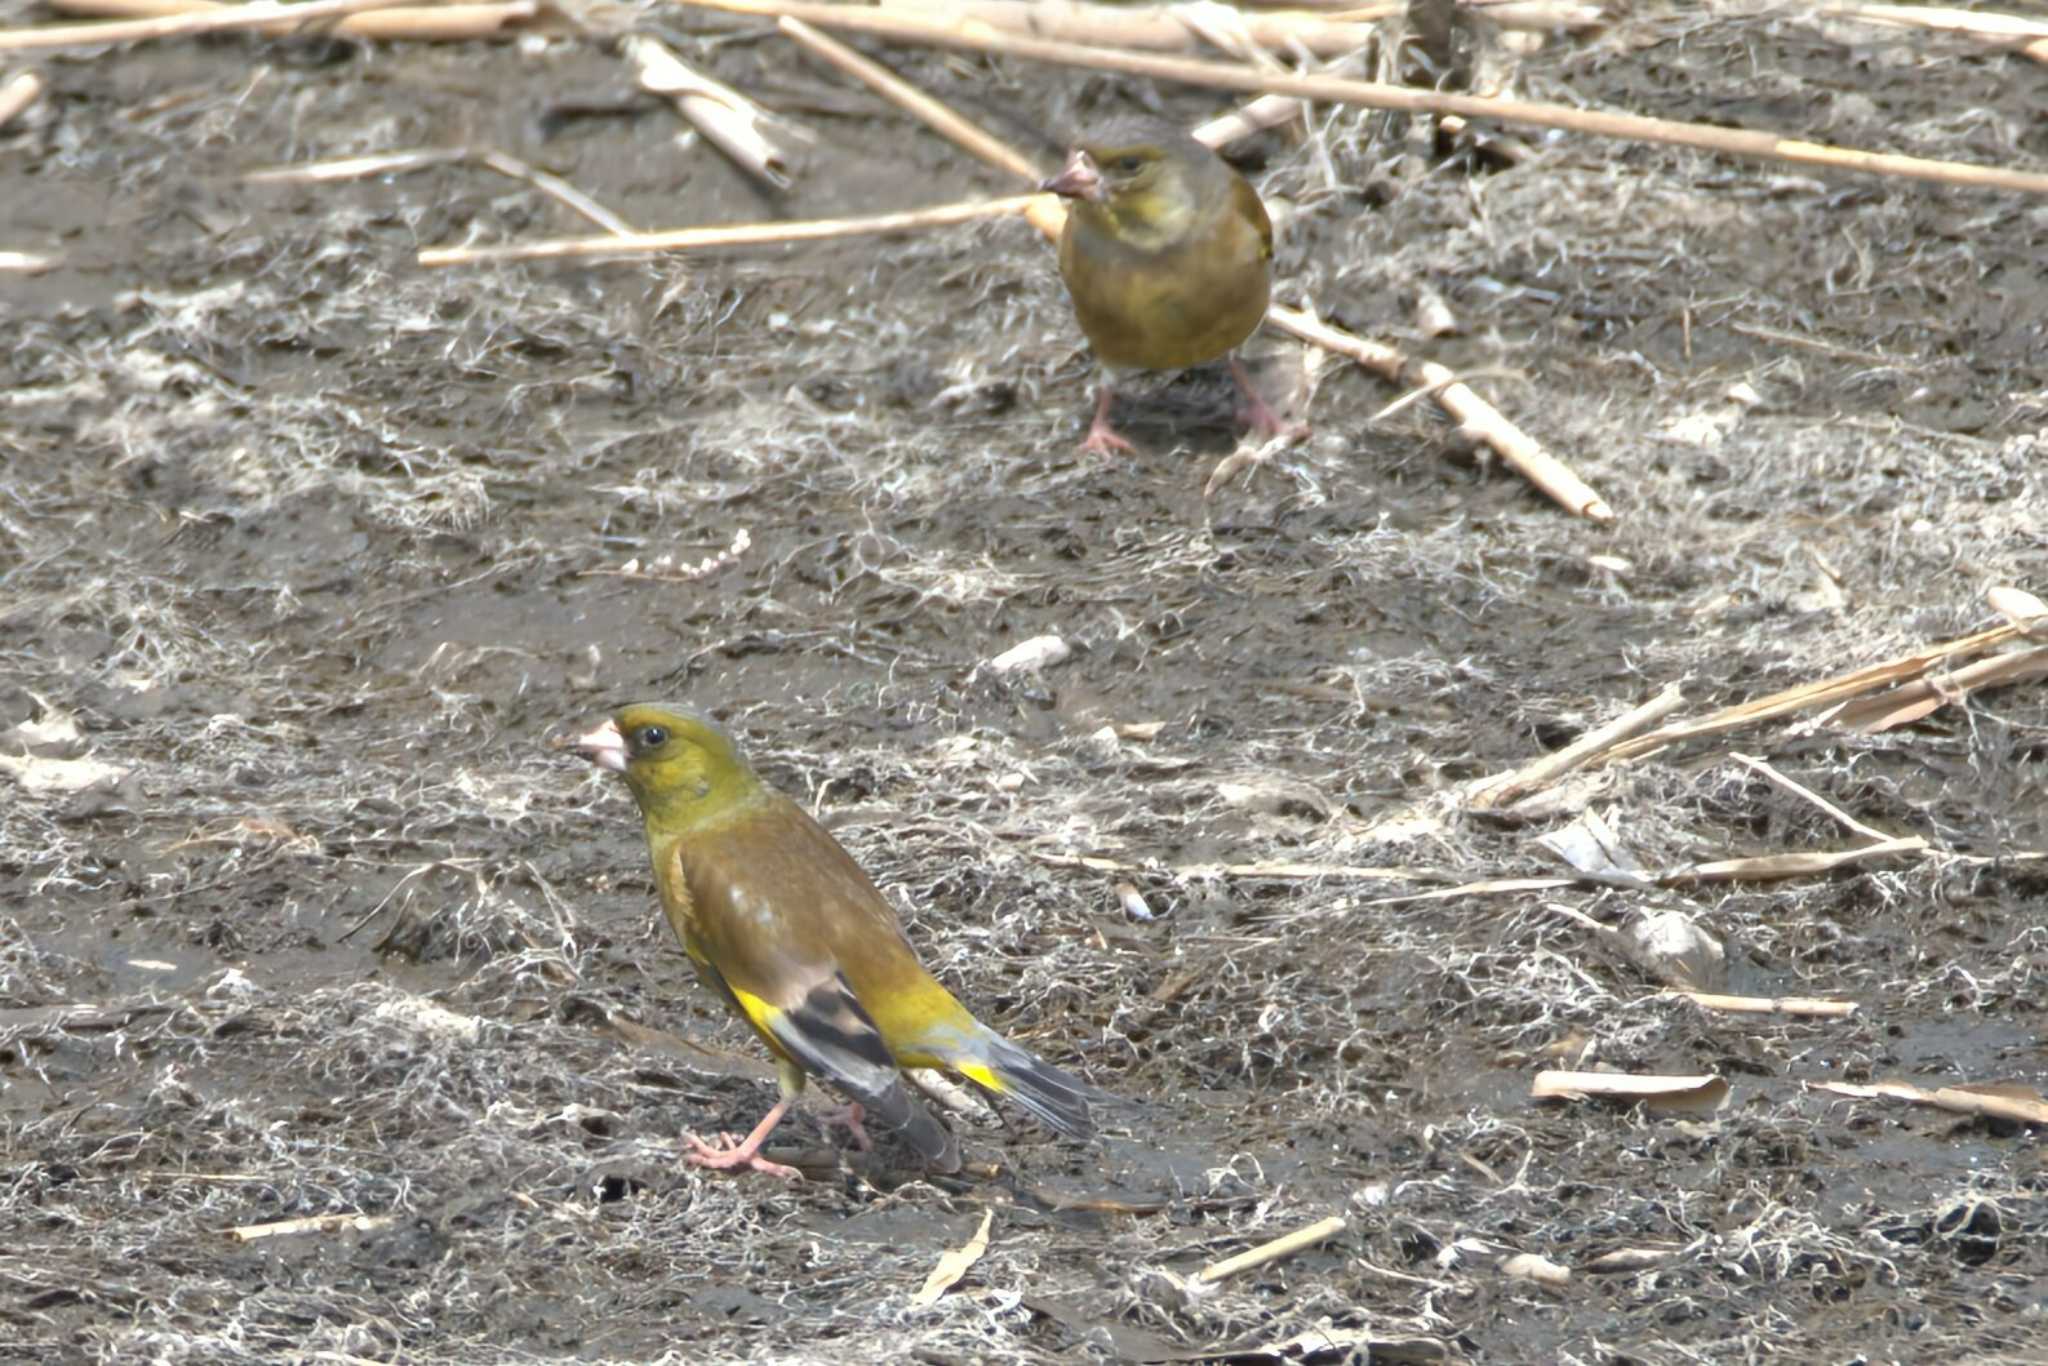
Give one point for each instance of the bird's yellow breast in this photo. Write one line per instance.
(1164, 307)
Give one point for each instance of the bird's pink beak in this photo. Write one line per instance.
(604, 747)
(1078, 179)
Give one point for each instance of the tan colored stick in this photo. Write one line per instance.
(1837, 689)
(267, 15)
(389, 163)
(1340, 90)
(1286, 1246)
(1045, 213)
(22, 90)
(1807, 1006)
(1480, 419)
(1142, 26)
(1500, 791)
(438, 23)
(731, 235)
(2030, 36)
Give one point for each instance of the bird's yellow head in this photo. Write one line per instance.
(682, 769)
(1142, 181)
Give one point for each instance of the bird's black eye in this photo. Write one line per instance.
(650, 737)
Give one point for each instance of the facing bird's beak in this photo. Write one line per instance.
(604, 747)
(1080, 178)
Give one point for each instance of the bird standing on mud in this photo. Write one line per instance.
(780, 921)
(1167, 254)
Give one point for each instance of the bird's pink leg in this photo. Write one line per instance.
(1258, 411)
(746, 1154)
(1102, 438)
(849, 1117)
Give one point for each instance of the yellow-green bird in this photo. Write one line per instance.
(1167, 254)
(781, 922)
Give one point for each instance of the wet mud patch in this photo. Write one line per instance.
(319, 550)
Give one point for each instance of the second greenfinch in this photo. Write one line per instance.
(1167, 255)
(782, 923)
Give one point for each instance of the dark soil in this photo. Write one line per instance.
(318, 551)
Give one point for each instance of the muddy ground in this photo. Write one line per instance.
(318, 550)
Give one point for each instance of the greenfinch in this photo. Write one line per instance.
(1167, 255)
(782, 923)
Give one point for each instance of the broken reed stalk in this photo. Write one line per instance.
(1841, 688)
(2029, 36)
(262, 14)
(22, 90)
(1371, 94)
(1806, 794)
(1158, 27)
(1480, 419)
(730, 235)
(1805, 1007)
(438, 23)
(1496, 792)
(1285, 1246)
(420, 158)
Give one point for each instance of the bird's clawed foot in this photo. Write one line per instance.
(1258, 414)
(1102, 438)
(729, 1153)
(850, 1117)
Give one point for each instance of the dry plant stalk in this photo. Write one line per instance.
(1841, 688)
(1496, 792)
(1802, 1006)
(314, 1223)
(267, 16)
(1477, 416)
(435, 23)
(1285, 1246)
(1480, 420)
(954, 1263)
(419, 158)
(22, 89)
(731, 235)
(1776, 867)
(1905, 705)
(891, 26)
(1703, 1093)
(2029, 36)
(732, 122)
(1994, 1101)
(1168, 28)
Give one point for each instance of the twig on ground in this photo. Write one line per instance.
(2029, 36)
(2018, 1103)
(314, 1223)
(1339, 90)
(1775, 867)
(731, 235)
(22, 89)
(1285, 1246)
(1772, 775)
(265, 15)
(1807, 1006)
(1496, 792)
(388, 163)
(430, 23)
(729, 120)
(1160, 27)
(1840, 688)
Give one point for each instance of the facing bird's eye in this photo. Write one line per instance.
(1128, 165)
(650, 737)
